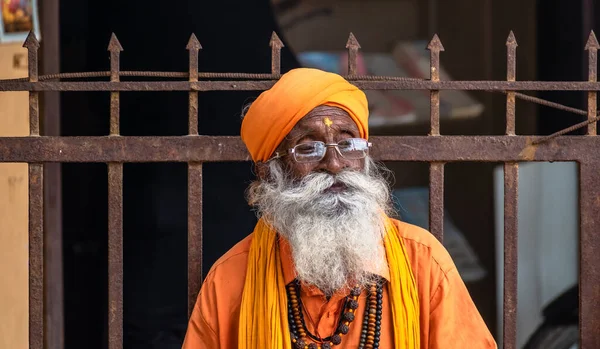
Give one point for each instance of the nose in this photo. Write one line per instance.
(332, 162)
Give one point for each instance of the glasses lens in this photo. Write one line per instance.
(310, 151)
(353, 148)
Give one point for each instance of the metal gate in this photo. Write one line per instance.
(195, 149)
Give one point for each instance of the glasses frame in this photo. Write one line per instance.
(292, 151)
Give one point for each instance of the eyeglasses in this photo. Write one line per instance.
(350, 148)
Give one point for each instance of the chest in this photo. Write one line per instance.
(360, 321)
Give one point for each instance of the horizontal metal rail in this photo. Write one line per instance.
(231, 148)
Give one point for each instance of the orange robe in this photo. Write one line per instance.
(449, 318)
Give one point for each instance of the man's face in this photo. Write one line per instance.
(329, 211)
(326, 124)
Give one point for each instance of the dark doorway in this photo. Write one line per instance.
(235, 37)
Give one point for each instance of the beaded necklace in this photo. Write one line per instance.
(371, 328)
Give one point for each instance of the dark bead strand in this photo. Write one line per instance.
(291, 318)
(378, 316)
(372, 317)
(368, 310)
(298, 326)
(343, 329)
(299, 319)
(301, 316)
(349, 317)
(371, 331)
(300, 344)
(344, 324)
(292, 324)
(346, 313)
(363, 332)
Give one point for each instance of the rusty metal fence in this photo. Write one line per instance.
(195, 149)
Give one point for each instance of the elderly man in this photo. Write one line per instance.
(326, 266)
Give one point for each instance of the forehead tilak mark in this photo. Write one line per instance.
(327, 121)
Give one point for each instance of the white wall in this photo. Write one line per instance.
(548, 239)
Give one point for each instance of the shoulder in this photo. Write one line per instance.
(446, 307)
(234, 260)
(224, 284)
(423, 247)
(214, 319)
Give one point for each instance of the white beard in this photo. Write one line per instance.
(335, 237)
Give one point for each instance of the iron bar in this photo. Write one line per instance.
(193, 47)
(436, 200)
(276, 46)
(353, 46)
(511, 67)
(435, 47)
(33, 45)
(511, 185)
(115, 48)
(36, 256)
(436, 169)
(592, 48)
(115, 213)
(230, 148)
(269, 76)
(589, 258)
(34, 113)
(36, 210)
(550, 104)
(201, 75)
(115, 255)
(195, 239)
(403, 84)
(193, 113)
(194, 189)
(151, 74)
(565, 131)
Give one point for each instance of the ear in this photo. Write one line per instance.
(262, 170)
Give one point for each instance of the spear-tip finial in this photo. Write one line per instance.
(193, 43)
(275, 41)
(352, 42)
(592, 42)
(114, 45)
(435, 44)
(31, 41)
(511, 41)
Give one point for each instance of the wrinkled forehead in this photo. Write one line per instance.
(326, 116)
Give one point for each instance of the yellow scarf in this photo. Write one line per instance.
(263, 314)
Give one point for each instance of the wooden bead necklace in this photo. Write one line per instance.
(371, 329)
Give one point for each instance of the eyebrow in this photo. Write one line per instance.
(346, 129)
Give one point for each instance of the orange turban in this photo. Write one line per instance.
(276, 111)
